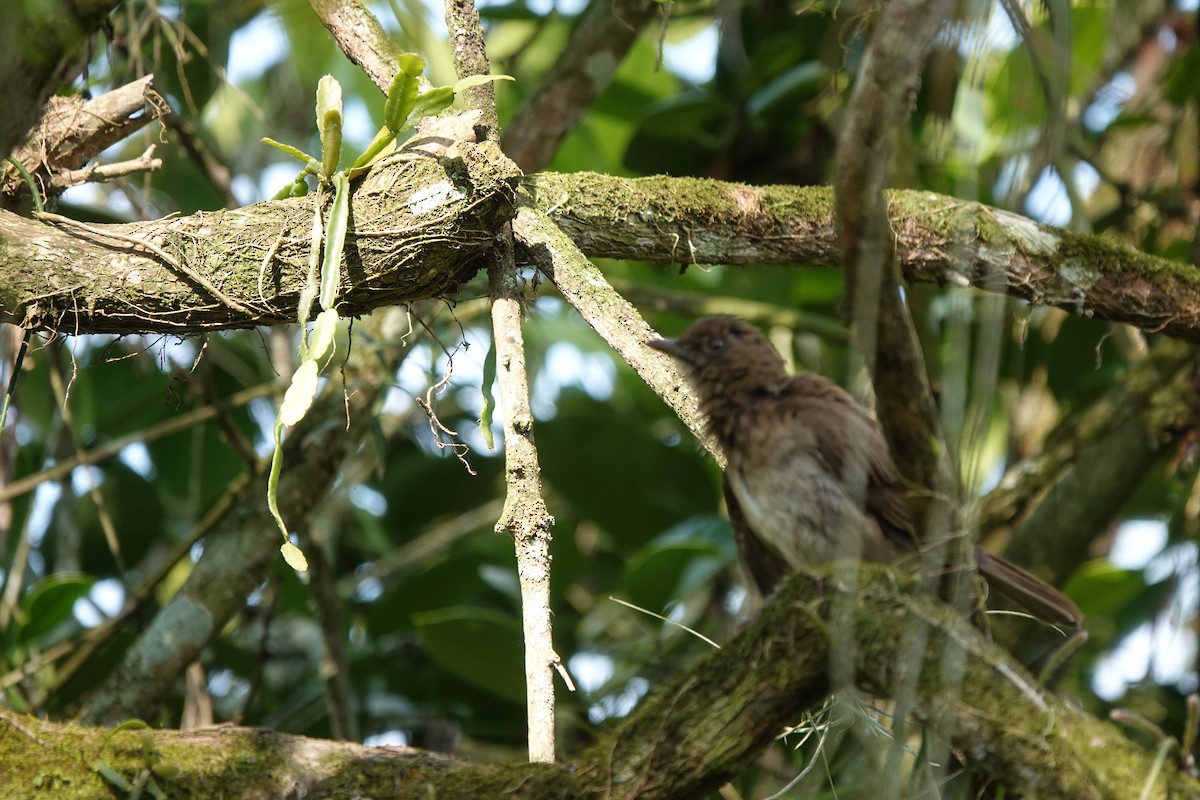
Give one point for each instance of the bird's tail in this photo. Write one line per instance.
(1027, 590)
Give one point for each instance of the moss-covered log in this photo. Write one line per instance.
(705, 728)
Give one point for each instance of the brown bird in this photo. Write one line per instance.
(808, 477)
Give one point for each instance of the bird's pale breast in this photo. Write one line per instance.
(792, 501)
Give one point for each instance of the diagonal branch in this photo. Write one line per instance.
(71, 132)
(361, 37)
(611, 315)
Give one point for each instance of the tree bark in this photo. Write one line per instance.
(939, 239)
(419, 227)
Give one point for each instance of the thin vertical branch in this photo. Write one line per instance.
(882, 327)
(525, 515)
(880, 322)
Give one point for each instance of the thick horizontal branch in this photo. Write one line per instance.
(939, 239)
(689, 738)
(418, 229)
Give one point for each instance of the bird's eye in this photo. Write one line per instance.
(716, 344)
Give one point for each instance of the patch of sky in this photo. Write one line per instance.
(1137, 542)
(566, 366)
(220, 682)
(619, 704)
(694, 59)
(137, 457)
(104, 600)
(1048, 201)
(368, 590)
(369, 500)
(263, 412)
(86, 478)
(734, 600)
(1164, 649)
(590, 670)
(45, 497)
(22, 430)
(392, 738)
(1109, 102)
(993, 33)
(540, 7)
(256, 47)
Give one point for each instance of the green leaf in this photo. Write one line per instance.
(681, 484)
(411, 64)
(322, 334)
(112, 776)
(1181, 83)
(273, 479)
(400, 99)
(403, 92)
(489, 402)
(1103, 590)
(329, 124)
(335, 240)
(294, 152)
(430, 104)
(481, 646)
(376, 149)
(331, 144)
(52, 602)
(299, 395)
(673, 564)
(787, 90)
(309, 293)
(479, 80)
(329, 98)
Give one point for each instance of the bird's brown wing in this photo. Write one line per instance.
(839, 424)
(766, 567)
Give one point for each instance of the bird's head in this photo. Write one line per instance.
(724, 354)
